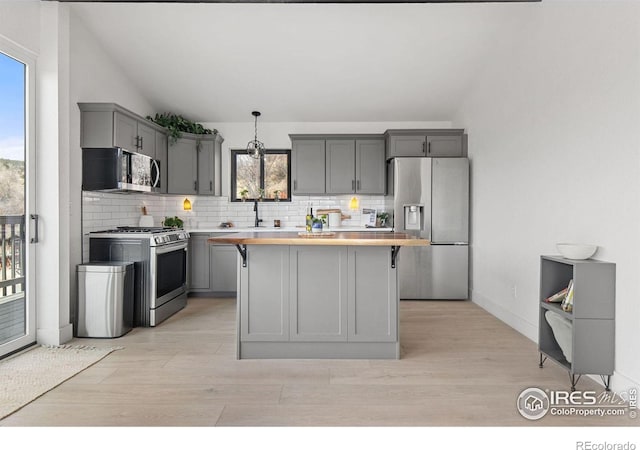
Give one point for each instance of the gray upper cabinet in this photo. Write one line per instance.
(443, 146)
(340, 174)
(308, 166)
(427, 143)
(194, 165)
(338, 164)
(183, 167)
(205, 167)
(109, 125)
(370, 166)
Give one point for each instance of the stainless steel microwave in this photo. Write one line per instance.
(119, 170)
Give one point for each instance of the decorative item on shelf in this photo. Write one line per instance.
(276, 195)
(255, 148)
(176, 124)
(174, 222)
(244, 194)
(354, 203)
(260, 194)
(381, 219)
(567, 302)
(316, 225)
(186, 204)
(577, 251)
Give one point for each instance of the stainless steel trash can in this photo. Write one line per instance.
(105, 299)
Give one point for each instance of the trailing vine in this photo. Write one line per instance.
(176, 124)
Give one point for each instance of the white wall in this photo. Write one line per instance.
(20, 22)
(553, 139)
(94, 78)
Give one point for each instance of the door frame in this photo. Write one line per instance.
(28, 58)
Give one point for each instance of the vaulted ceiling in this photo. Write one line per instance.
(304, 62)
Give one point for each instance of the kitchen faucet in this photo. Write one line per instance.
(255, 208)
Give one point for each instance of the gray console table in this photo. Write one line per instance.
(592, 318)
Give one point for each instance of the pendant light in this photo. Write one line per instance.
(186, 204)
(255, 148)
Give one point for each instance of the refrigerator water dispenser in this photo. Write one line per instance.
(413, 217)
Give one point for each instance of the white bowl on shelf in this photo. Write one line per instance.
(577, 251)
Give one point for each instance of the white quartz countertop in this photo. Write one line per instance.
(272, 229)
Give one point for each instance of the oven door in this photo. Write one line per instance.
(168, 272)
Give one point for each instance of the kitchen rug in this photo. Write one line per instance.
(26, 376)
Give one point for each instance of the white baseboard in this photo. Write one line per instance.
(516, 322)
(54, 336)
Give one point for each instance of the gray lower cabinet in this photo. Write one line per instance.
(212, 268)
(318, 301)
(373, 294)
(224, 269)
(199, 263)
(434, 143)
(587, 333)
(318, 293)
(264, 294)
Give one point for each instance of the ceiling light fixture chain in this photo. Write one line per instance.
(255, 148)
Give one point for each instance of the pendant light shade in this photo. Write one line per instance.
(186, 204)
(255, 148)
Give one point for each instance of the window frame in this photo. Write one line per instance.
(233, 181)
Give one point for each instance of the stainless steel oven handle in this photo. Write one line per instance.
(170, 248)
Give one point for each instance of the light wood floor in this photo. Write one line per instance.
(459, 366)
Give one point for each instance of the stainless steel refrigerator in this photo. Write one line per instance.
(429, 197)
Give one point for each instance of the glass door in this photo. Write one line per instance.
(17, 300)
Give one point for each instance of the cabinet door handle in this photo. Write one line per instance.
(358, 185)
(353, 185)
(211, 186)
(195, 185)
(141, 142)
(428, 148)
(423, 147)
(295, 185)
(36, 220)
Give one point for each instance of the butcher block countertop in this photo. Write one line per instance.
(367, 238)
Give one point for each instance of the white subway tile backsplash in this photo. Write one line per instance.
(102, 210)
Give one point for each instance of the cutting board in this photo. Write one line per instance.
(320, 212)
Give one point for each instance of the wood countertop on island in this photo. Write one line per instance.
(366, 238)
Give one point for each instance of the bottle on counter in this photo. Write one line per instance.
(309, 218)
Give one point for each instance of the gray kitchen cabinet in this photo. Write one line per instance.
(308, 166)
(109, 125)
(370, 166)
(588, 331)
(340, 175)
(224, 270)
(194, 162)
(265, 281)
(372, 305)
(212, 268)
(199, 263)
(161, 157)
(318, 296)
(206, 167)
(426, 143)
(338, 164)
(183, 167)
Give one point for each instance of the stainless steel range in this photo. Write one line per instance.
(160, 257)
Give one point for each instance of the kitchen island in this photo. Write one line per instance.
(333, 295)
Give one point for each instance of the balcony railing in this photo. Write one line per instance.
(12, 254)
